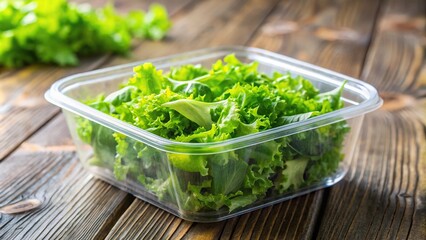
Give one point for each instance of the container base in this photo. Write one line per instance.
(211, 216)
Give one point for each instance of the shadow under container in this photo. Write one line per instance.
(241, 174)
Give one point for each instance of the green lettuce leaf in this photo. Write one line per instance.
(295, 118)
(195, 104)
(196, 111)
(293, 174)
(189, 163)
(227, 172)
(147, 79)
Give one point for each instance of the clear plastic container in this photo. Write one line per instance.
(224, 189)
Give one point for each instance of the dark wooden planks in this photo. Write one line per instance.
(317, 26)
(418, 226)
(366, 204)
(23, 109)
(207, 24)
(75, 205)
(384, 195)
(283, 221)
(287, 220)
(396, 59)
(144, 221)
(330, 34)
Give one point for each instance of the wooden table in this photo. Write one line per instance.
(383, 195)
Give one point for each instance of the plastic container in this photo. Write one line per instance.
(166, 186)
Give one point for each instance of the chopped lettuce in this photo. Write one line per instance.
(199, 105)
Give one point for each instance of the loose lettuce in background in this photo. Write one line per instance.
(199, 105)
(55, 31)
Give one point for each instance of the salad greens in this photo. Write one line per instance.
(198, 105)
(58, 32)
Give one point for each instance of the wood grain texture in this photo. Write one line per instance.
(207, 24)
(282, 221)
(418, 226)
(384, 195)
(23, 109)
(330, 34)
(145, 221)
(396, 59)
(381, 197)
(74, 204)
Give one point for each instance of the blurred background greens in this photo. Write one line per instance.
(59, 32)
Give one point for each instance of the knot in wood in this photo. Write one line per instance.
(396, 101)
(339, 34)
(21, 206)
(280, 28)
(403, 23)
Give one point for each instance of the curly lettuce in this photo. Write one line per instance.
(198, 105)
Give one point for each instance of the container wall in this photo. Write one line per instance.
(213, 187)
(219, 186)
(220, 183)
(124, 162)
(91, 85)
